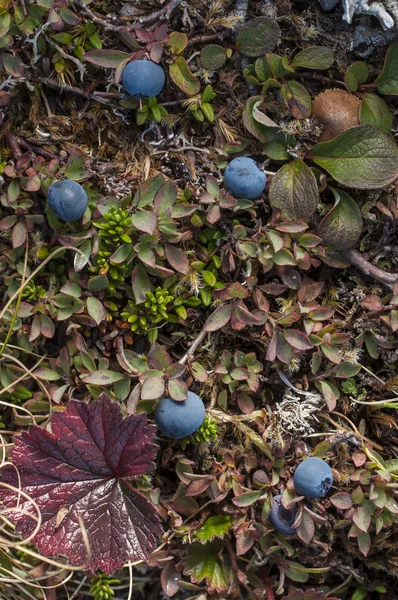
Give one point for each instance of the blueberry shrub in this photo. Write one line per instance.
(199, 300)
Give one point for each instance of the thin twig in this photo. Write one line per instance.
(13, 143)
(204, 39)
(160, 15)
(78, 63)
(163, 13)
(36, 149)
(103, 97)
(355, 258)
(195, 344)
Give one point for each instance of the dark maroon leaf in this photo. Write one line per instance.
(169, 579)
(241, 318)
(81, 472)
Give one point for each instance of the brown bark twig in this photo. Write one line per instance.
(59, 87)
(195, 344)
(160, 15)
(355, 258)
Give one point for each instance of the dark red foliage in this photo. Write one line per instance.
(82, 470)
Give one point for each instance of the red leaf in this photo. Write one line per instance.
(298, 339)
(18, 235)
(84, 467)
(341, 500)
(306, 528)
(169, 579)
(219, 318)
(241, 318)
(372, 302)
(177, 259)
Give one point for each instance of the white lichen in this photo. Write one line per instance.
(298, 415)
(386, 11)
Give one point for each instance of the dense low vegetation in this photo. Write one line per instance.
(198, 379)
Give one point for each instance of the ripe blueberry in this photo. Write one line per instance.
(179, 419)
(244, 179)
(280, 517)
(143, 79)
(313, 478)
(67, 199)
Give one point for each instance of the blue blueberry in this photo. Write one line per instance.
(244, 179)
(282, 518)
(143, 79)
(67, 199)
(179, 419)
(313, 478)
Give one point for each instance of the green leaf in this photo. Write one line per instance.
(258, 36)
(81, 260)
(204, 562)
(96, 310)
(13, 65)
(152, 388)
(46, 374)
(183, 78)
(110, 59)
(177, 390)
(75, 166)
(374, 111)
(246, 499)
(177, 42)
(279, 68)
(102, 377)
(342, 226)
(260, 131)
(345, 370)
(361, 157)
(145, 221)
(140, 283)
(357, 73)
(122, 254)
(68, 16)
(362, 519)
(214, 527)
(294, 191)
(314, 57)
(5, 23)
(63, 38)
(98, 283)
(387, 81)
(297, 99)
(213, 57)
(146, 193)
(262, 68)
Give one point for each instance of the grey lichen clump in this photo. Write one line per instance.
(386, 11)
(296, 415)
